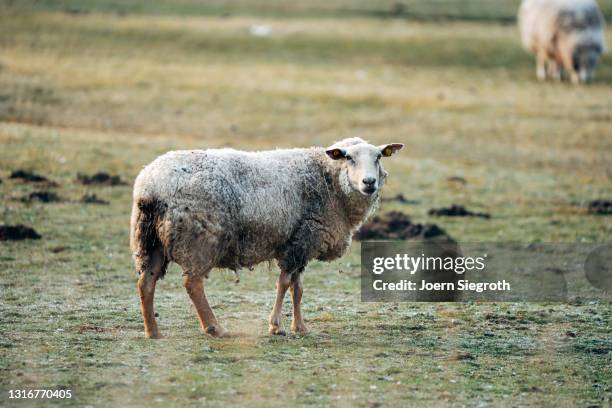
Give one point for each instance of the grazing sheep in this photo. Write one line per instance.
(564, 35)
(206, 209)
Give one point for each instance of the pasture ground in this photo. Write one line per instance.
(110, 87)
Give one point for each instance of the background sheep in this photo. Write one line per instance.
(233, 209)
(563, 35)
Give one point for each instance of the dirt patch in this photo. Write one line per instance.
(101, 179)
(42, 196)
(397, 225)
(457, 180)
(93, 199)
(17, 233)
(398, 198)
(30, 177)
(58, 249)
(601, 207)
(462, 355)
(456, 211)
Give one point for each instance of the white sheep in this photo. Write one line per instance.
(564, 35)
(206, 209)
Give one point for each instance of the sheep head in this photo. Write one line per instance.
(361, 163)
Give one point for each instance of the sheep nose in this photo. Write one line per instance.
(369, 181)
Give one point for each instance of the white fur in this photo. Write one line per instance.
(540, 25)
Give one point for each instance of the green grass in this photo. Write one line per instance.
(502, 11)
(82, 92)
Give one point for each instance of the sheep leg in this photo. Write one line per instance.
(554, 71)
(282, 284)
(574, 77)
(297, 325)
(541, 59)
(568, 64)
(208, 321)
(150, 271)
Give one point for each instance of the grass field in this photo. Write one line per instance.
(107, 85)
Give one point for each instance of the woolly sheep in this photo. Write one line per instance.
(564, 35)
(223, 208)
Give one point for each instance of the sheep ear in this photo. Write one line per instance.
(390, 149)
(336, 153)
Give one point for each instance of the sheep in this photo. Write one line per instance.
(224, 208)
(564, 35)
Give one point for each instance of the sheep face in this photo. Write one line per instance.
(362, 169)
(584, 59)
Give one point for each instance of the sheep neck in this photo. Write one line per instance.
(355, 206)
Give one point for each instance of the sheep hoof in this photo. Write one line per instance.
(217, 331)
(276, 331)
(575, 79)
(153, 335)
(299, 329)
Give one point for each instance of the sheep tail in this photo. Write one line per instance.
(146, 243)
